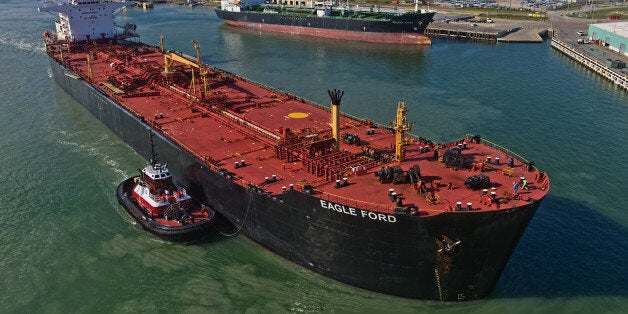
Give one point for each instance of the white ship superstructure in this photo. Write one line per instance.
(84, 19)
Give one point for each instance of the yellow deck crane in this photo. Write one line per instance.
(90, 72)
(400, 125)
(171, 57)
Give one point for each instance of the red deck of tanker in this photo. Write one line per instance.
(276, 133)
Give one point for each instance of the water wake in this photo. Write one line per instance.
(93, 151)
(18, 42)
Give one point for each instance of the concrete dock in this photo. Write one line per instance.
(590, 55)
(525, 35)
(499, 30)
(462, 30)
(563, 30)
(466, 30)
(593, 57)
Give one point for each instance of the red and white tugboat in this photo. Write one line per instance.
(163, 207)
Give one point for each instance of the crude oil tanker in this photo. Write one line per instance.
(330, 21)
(366, 204)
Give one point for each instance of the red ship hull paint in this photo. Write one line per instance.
(384, 38)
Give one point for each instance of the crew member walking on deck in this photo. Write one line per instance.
(515, 187)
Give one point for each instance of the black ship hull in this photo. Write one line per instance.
(393, 254)
(186, 233)
(405, 29)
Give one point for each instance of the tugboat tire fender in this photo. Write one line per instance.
(187, 218)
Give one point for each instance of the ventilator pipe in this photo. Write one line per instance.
(335, 96)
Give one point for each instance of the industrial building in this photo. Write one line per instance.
(614, 35)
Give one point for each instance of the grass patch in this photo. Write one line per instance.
(599, 14)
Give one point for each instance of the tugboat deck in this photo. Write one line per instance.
(241, 120)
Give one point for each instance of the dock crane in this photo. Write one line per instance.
(400, 125)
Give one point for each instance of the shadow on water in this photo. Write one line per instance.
(568, 250)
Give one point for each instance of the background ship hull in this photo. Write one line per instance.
(398, 258)
(378, 31)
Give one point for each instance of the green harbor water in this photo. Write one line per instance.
(67, 246)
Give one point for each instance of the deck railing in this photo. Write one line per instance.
(502, 149)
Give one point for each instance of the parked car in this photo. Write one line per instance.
(580, 33)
